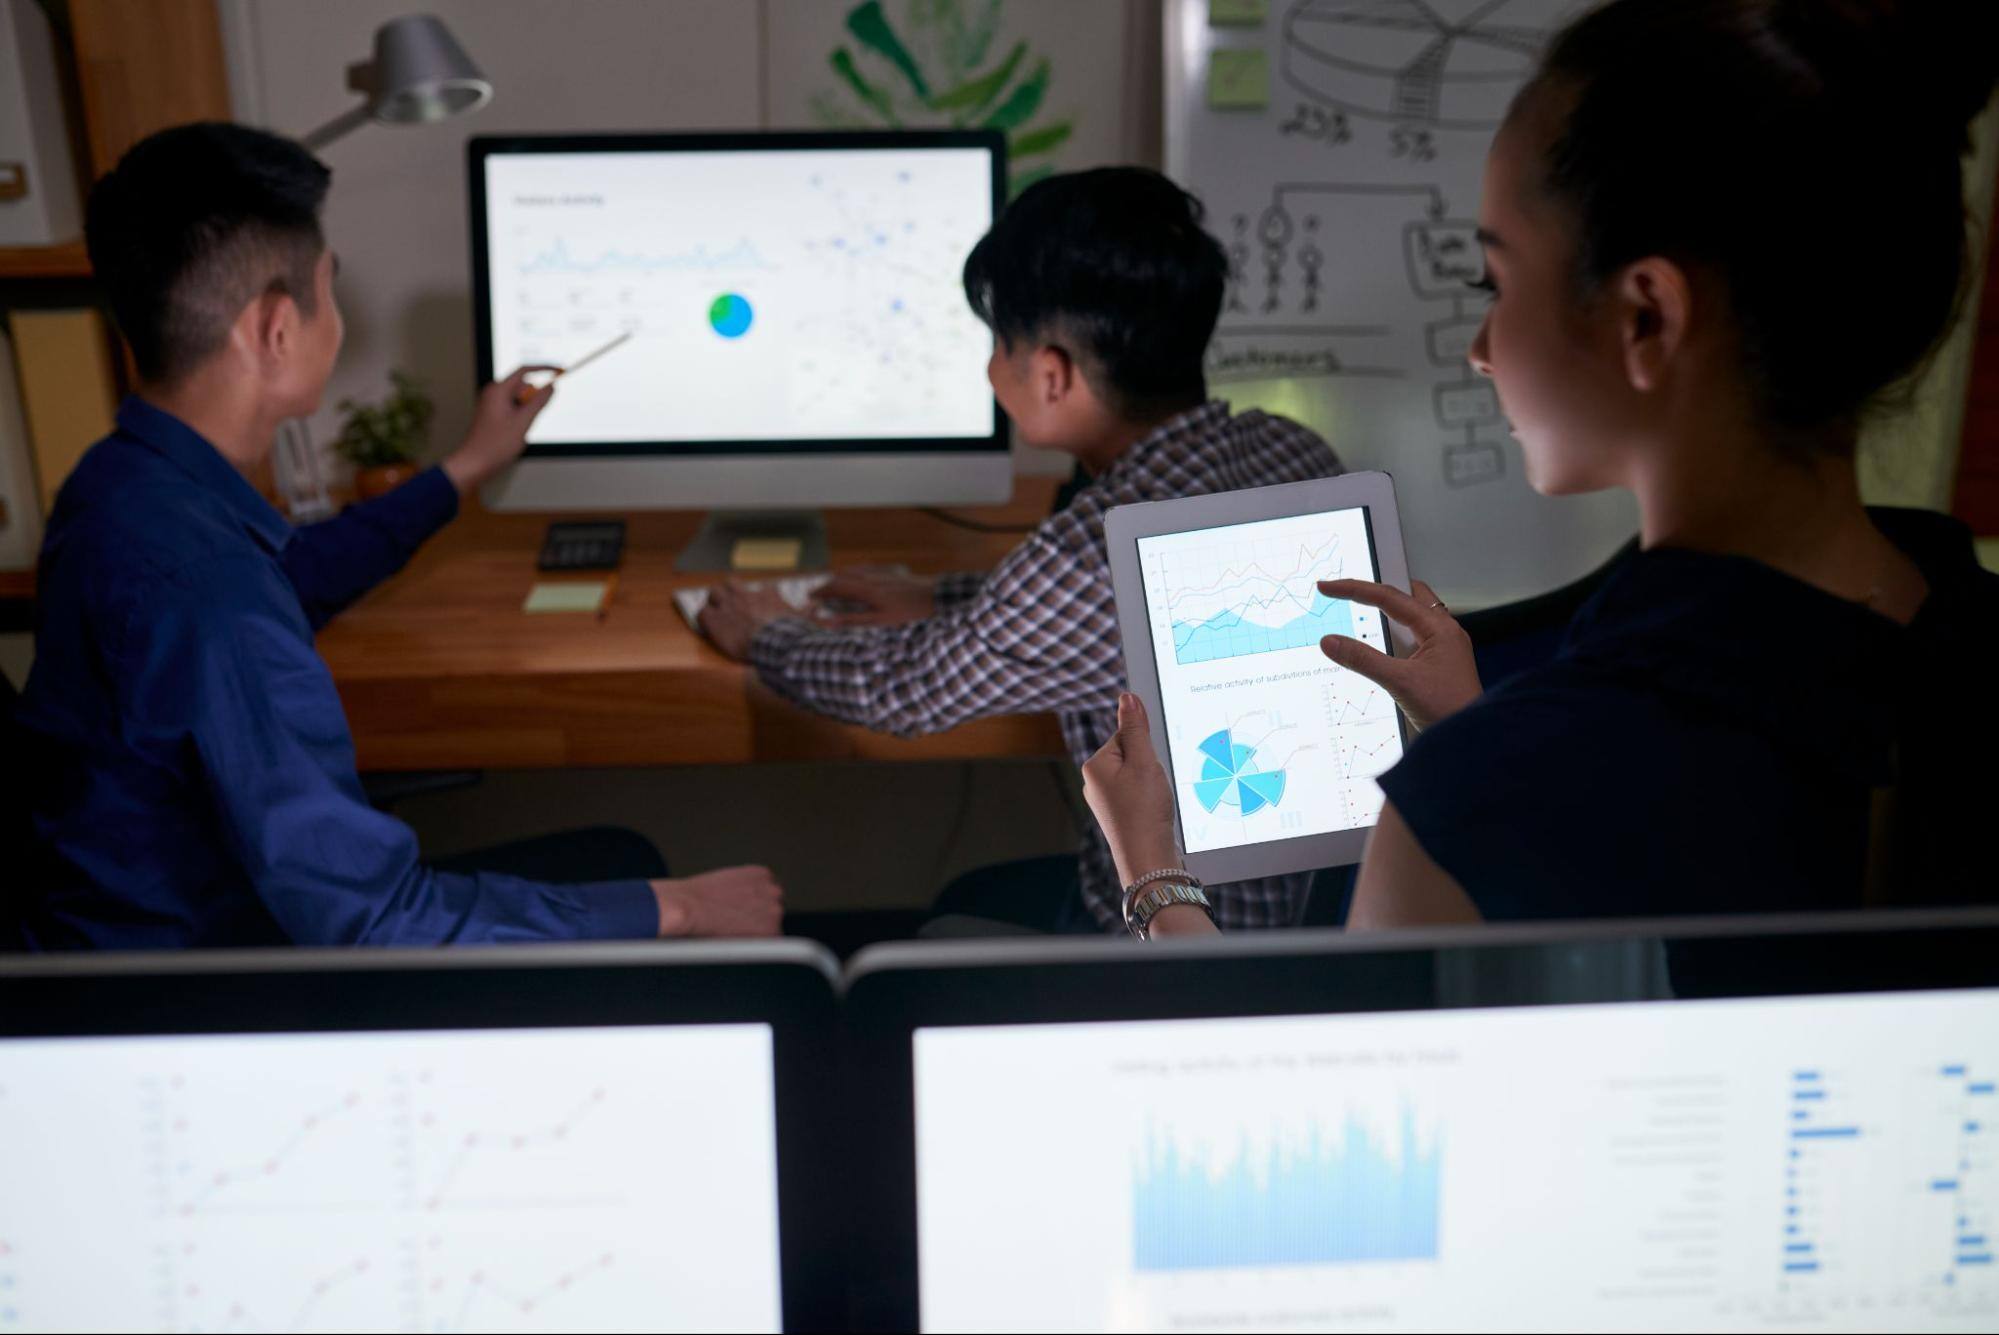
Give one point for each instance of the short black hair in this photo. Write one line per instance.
(1113, 265)
(1813, 164)
(193, 223)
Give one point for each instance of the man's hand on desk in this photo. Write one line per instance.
(499, 429)
(736, 612)
(735, 901)
(875, 596)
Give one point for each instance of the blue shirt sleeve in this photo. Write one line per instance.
(215, 662)
(331, 564)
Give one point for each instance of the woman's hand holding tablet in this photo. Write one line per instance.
(1266, 750)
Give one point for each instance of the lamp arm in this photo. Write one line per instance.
(345, 123)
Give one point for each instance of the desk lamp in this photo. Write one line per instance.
(419, 74)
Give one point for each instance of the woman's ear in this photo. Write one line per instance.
(1655, 306)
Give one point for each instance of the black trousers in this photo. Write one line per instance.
(1032, 894)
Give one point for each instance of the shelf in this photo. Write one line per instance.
(68, 260)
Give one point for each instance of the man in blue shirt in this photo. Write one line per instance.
(194, 775)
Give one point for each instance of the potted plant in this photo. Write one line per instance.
(382, 440)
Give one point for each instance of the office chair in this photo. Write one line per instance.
(17, 837)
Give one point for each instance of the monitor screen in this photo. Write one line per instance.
(771, 291)
(1828, 1161)
(1266, 738)
(615, 1178)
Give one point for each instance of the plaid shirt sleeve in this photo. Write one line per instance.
(955, 590)
(1039, 634)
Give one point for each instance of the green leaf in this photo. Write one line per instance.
(871, 29)
(973, 95)
(979, 37)
(843, 65)
(1045, 140)
(1022, 103)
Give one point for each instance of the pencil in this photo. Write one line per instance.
(529, 391)
(610, 588)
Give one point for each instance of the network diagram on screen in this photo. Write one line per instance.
(769, 295)
(1268, 738)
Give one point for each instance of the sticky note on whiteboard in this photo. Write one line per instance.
(1238, 80)
(1236, 13)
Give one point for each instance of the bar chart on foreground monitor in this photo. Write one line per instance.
(1821, 1163)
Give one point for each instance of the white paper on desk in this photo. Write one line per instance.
(797, 591)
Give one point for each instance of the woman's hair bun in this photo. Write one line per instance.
(1929, 65)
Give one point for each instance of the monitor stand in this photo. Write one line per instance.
(715, 546)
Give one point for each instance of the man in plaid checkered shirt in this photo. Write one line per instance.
(1102, 290)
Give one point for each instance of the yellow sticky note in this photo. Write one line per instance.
(1235, 13)
(565, 597)
(1238, 80)
(766, 553)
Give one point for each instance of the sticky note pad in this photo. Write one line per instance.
(1236, 13)
(565, 597)
(1238, 80)
(766, 553)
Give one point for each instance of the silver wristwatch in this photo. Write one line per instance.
(1146, 899)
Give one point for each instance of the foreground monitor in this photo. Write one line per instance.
(567, 1139)
(1495, 1134)
(795, 327)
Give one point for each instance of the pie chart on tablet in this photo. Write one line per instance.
(1231, 777)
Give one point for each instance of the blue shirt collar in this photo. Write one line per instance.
(188, 450)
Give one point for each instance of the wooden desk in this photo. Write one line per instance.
(440, 669)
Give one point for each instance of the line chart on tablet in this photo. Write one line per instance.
(1234, 599)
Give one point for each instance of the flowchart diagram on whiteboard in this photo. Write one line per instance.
(1339, 147)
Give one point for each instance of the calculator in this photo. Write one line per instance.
(589, 545)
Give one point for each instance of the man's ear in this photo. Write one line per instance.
(265, 335)
(1052, 373)
(1655, 307)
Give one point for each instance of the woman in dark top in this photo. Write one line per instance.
(1717, 232)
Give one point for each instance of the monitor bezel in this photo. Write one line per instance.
(892, 991)
(479, 149)
(788, 985)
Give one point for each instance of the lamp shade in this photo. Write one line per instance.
(420, 73)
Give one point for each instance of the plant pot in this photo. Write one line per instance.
(372, 482)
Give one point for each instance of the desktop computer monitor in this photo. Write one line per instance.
(1516, 1132)
(796, 329)
(600, 1138)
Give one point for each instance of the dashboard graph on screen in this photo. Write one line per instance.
(1231, 600)
(1770, 1163)
(501, 1179)
(1268, 738)
(768, 296)
(1343, 1192)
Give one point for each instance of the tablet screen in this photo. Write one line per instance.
(1268, 739)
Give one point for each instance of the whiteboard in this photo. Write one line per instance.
(1338, 146)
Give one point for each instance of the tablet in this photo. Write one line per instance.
(1273, 749)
